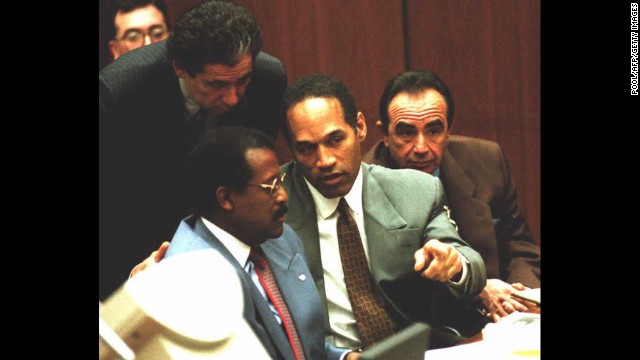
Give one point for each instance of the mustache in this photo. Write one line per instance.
(281, 211)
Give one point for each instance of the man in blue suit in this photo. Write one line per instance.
(238, 206)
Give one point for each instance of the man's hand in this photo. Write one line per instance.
(153, 259)
(496, 297)
(439, 261)
(354, 355)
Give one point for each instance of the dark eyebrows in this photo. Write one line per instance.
(334, 133)
(436, 122)
(223, 83)
(404, 125)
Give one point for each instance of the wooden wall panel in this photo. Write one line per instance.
(357, 41)
(488, 52)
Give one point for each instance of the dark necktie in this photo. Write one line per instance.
(195, 127)
(269, 284)
(368, 309)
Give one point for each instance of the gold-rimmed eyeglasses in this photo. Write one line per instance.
(274, 186)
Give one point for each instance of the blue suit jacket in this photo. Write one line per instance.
(287, 262)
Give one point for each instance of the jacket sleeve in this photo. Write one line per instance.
(519, 255)
(441, 228)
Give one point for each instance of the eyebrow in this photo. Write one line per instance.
(225, 82)
(435, 123)
(334, 133)
(403, 123)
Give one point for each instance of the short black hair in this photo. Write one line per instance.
(414, 82)
(213, 32)
(320, 86)
(219, 159)
(126, 6)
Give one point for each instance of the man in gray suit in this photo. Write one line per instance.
(412, 250)
(239, 207)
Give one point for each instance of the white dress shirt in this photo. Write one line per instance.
(240, 251)
(343, 324)
(190, 103)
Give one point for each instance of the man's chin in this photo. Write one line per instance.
(427, 169)
(277, 232)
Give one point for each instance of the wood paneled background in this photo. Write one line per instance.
(487, 51)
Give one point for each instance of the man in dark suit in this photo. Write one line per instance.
(239, 206)
(411, 249)
(154, 102)
(416, 115)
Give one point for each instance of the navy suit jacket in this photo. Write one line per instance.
(287, 262)
(144, 141)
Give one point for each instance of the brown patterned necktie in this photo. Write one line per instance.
(372, 320)
(269, 284)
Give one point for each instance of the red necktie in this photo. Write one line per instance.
(269, 284)
(368, 309)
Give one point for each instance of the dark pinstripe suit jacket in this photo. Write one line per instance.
(143, 147)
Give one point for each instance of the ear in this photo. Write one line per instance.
(385, 136)
(361, 127)
(178, 70)
(114, 48)
(224, 197)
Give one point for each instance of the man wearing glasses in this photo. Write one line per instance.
(154, 103)
(134, 23)
(239, 204)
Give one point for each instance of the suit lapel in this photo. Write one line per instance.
(385, 229)
(303, 220)
(469, 213)
(386, 234)
(295, 285)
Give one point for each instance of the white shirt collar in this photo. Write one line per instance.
(325, 207)
(189, 103)
(238, 249)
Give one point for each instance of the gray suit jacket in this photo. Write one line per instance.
(484, 203)
(402, 210)
(287, 262)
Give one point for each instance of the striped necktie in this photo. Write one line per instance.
(269, 284)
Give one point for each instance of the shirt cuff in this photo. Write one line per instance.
(465, 271)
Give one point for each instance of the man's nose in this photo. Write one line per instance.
(421, 145)
(147, 39)
(231, 96)
(281, 195)
(325, 157)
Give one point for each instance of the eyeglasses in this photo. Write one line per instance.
(274, 186)
(136, 37)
